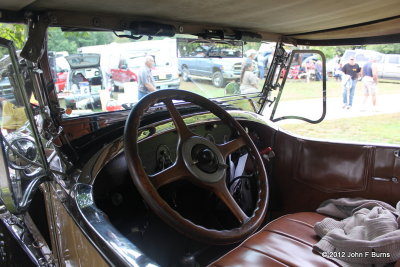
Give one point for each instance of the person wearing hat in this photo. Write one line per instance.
(351, 72)
(251, 55)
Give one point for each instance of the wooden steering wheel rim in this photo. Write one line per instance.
(148, 190)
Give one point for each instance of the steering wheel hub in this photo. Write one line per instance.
(203, 159)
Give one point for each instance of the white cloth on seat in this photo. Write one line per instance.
(345, 207)
(368, 235)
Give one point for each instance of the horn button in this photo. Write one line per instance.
(203, 159)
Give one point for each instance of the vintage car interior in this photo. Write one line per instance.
(180, 178)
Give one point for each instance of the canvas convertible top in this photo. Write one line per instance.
(311, 22)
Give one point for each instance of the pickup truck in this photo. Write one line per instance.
(219, 70)
(127, 71)
(389, 68)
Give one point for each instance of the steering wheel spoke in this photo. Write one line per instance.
(222, 192)
(173, 173)
(180, 125)
(231, 146)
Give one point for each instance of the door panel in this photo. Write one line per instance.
(74, 247)
(386, 174)
(332, 167)
(307, 172)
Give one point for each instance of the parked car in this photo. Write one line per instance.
(190, 177)
(6, 90)
(165, 77)
(388, 64)
(389, 67)
(84, 82)
(220, 71)
(220, 62)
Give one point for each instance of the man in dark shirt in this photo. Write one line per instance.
(351, 72)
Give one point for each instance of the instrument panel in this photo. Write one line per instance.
(159, 152)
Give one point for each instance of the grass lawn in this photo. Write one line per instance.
(202, 87)
(293, 90)
(372, 129)
(296, 89)
(376, 129)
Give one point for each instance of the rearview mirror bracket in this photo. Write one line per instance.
(271, 81)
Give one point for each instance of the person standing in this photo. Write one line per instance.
(350, 76)
(309, 68)
(318, 70)
(248, 80)
(370, 81)
(251, 55)
(262, 60)
(146, 82)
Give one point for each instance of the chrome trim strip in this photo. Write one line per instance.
(19, 230)
(381, 179)
(116, 249)
(6, 195)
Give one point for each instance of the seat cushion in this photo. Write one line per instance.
(286, 241)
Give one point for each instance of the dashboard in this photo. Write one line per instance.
(159, 151)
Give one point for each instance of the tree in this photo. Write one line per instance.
(71, 41)
(385, 48)
(13, 32)
(332, 51)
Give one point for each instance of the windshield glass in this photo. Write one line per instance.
(129, 69)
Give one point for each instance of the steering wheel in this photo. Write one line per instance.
(195, 155)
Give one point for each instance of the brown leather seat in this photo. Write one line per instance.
(286, 241)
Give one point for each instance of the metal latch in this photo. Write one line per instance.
(393, 179)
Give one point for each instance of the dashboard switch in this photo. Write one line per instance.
(267, 153)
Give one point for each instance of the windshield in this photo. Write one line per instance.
(206, 48)
(129, 69)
